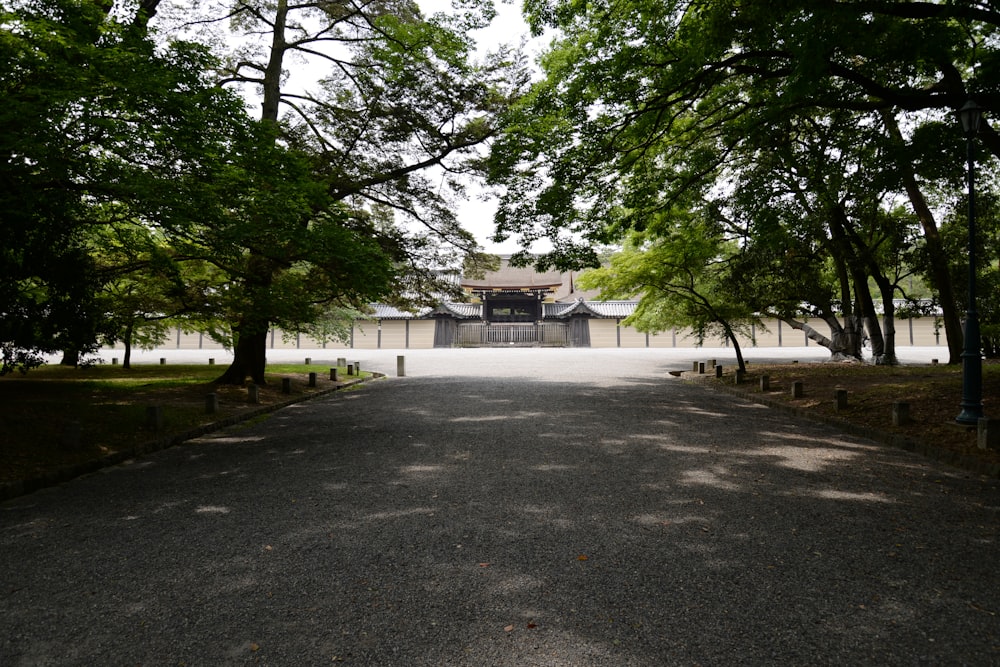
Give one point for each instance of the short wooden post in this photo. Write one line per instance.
(798, 389)
(400, 366)
(211, 361)
(701, 368)
(350, 369)
(694, 366)
(900, 413)
(841, 396)
(163, 361)
(154, 417)
(765, 383)
(333, 375)
(114, 361)
(286, 385)
(718, 370)
(211, 403)
(710, 363)
(934, 362)
(988, 433)
(308, 360)
(253, 394)
(740, 375)
(357, 368)
(341, 361)
(312, 379)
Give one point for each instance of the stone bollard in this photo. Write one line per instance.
(286, 385)
(154, 417)
(765, 383)
(211, 361)
(988, 433)
(718, 370)
(211, 403)
(900, 413)
(401, 366)
(308, 360)
(350, 369)
(253, 394)
(333, 375)
(841, 396)
(694, 366)
(798, 389)
(341, 361)
(740, 376)
(312, 379)
(163, 361)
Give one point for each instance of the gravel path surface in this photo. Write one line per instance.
(509, 507)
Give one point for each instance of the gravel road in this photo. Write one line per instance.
(509, 508)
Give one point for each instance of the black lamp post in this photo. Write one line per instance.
(971, 116)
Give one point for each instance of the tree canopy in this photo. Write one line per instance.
(137, 185)
(802, 123)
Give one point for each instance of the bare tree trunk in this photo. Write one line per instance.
(249, 358)
(127, 340)
(940, 275)
(887, 291)
(731, 336)
(250, 353)
(840, 341)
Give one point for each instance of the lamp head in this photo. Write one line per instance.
(971, 115)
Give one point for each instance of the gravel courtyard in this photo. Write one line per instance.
(509, 507)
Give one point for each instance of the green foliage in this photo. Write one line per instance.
(99, 125)
(781, 119)
(682, 274)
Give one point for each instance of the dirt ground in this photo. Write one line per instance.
(933, 392)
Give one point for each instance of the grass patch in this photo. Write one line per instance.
(57, 416)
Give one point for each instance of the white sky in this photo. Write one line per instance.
(475, 214)
(509, 27)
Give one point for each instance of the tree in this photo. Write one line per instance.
(681, 270)
(687, 83)
(404, 103)
(94, 114)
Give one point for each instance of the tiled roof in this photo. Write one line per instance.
(468, 311)
(513, 277)
(602, 309)
(612, 308)
(381, 311)
(462, 311)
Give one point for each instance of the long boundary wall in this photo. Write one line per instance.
(419, 334)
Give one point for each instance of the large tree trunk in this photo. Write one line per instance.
(850, 250)
(889, 324)
(249, 358)
(844, 341)
(940, 276)
(250, 353)
(887, 290)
